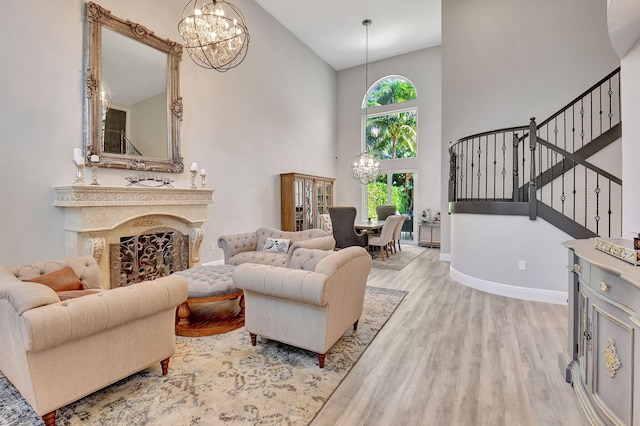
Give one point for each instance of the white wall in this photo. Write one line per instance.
(423, 69)
(273, 114)
(630, 70)
(503, 62)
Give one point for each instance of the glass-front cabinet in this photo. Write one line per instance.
(303, 199)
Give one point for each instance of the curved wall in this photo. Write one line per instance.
(489, 251)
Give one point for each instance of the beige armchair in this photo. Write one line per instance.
(57, 352)
(309, 306)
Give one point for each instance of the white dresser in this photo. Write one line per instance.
(599, 361)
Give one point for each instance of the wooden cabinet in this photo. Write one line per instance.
(303, 198)
(604, 293)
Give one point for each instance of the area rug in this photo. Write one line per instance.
(222, 380)
(398, 260)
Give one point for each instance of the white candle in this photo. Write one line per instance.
(203, 172)
(77, 155)
(95, 158)
(194, 166)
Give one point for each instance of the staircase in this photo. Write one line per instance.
(546, 170)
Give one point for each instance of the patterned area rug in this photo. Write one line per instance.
(398, 260)
(222, 380)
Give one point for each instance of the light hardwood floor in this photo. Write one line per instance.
(452, 355)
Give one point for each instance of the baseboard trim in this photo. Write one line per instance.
(525, 293)
(445, 257)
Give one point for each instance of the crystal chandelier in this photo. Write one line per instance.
(365, 168)
(215, 34)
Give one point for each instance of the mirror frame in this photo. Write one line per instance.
(97, 18)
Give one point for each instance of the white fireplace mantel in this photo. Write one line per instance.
(97, 216)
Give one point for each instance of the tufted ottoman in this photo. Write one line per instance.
(209, 283)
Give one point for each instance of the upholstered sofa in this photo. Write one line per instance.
(309, 305)
(249, 247)
(56, 352)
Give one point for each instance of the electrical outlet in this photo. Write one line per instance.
(522, 265)
(213, 246)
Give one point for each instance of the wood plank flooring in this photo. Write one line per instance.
(452, 355)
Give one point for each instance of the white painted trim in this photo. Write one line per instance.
(445, 257)
(526, 293)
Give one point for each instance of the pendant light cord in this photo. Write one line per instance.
(366, 24)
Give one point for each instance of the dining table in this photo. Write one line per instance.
(369, 227)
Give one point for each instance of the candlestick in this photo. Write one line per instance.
(79, 171)
(194, 173)
(194, 167)
(203, 175)
(94, 174)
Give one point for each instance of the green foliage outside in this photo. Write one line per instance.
(401, 194)
(392, 135)
(391, 91)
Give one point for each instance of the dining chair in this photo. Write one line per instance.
(397, 233)
(344, 232)
(325, 223)
(384, 239)
(385, 211)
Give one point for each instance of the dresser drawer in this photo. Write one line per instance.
(613, 287)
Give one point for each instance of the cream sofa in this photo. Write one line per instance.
(57, 352)
(248, 247)
(309, 305)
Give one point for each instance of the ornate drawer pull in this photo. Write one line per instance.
(577, 268)
(604, 286)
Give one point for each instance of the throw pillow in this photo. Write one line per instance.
(278, 245)
(61, 280)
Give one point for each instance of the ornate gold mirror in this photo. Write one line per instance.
(133, 108)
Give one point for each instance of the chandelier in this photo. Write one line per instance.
(215, 34)
(365, 168)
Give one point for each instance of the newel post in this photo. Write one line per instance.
(533, 142)
(516, 180)
(452, 175)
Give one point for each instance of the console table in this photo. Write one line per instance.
(429, 233)
(599, 361)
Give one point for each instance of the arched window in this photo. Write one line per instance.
(391, 132)
(390, 129)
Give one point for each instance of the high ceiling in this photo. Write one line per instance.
(333, 28)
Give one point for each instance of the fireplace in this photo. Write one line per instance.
(162, 226)
(154, 254)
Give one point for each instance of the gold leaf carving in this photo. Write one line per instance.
(611, 357)
(96, 13)
(139, 31)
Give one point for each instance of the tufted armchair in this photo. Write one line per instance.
(248, 247)
(309, 305)
(56, 352)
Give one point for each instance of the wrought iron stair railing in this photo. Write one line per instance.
(508, 171)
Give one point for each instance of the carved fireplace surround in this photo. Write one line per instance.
(97, 216)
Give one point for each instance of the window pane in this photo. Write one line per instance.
(376, 196)
(392, 90)
(392, 135)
